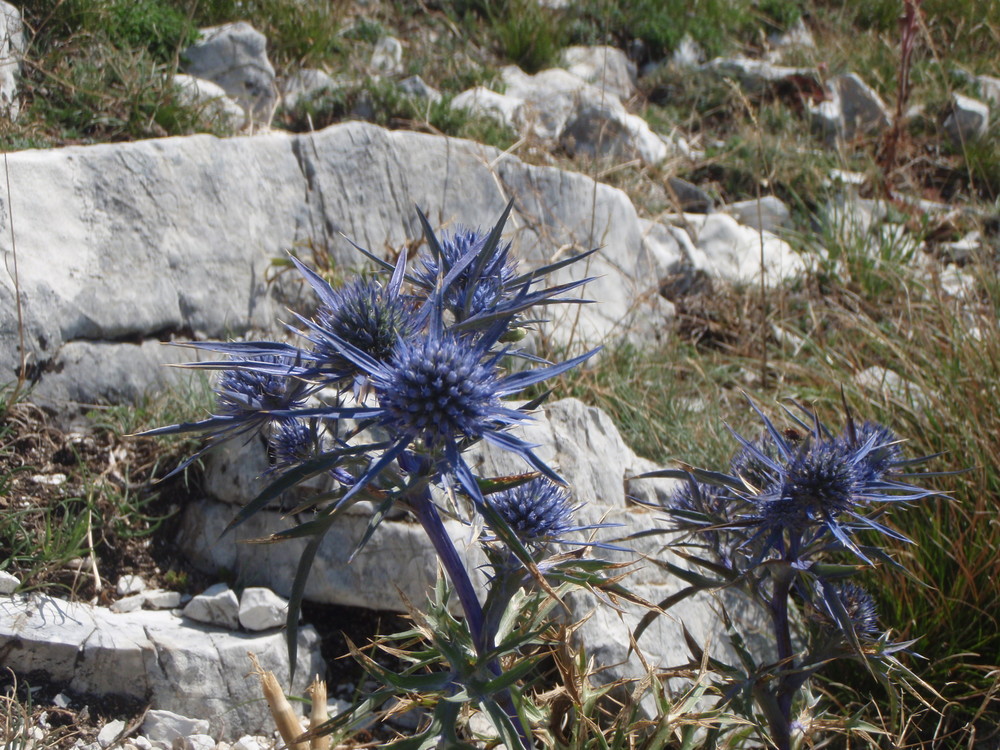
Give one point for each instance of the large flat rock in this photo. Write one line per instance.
(125, 244)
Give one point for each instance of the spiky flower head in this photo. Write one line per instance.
(860, 608)
(244, 394)
(810, 483)
(537, 511)
(485, 277)
(291, 442)
(819, 482)
(437, 388)
(364, 314)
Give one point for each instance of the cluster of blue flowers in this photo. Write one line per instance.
(778, 525)
(398, 374)
(416, 358)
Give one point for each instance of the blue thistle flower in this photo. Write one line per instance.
(266, 379)
(437, 388)
(245, 395)
(860, 608)
(537, 511)
(291, 442)
(818, 483)
(369, 316)
(478, 286)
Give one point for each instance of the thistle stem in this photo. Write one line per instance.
(432, 524)
(482, 637)
(781, 725)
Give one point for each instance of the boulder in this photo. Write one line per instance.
(172, 663)
(584, 446)
(124, 246)
(13, 46)
(234, 56)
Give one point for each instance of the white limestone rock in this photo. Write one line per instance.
(852, 109)
(199, 742)
(155, 240)
(109, 732)
(688, 53)
(13, 45)
(175, 664)
(734, 251)
(607, 130)
(216, 605)
(161, 599)
(234, 56)
(211, 101)
(662, 246)
(262, 609)
(416, 87)
(968, 120)
(607, 68)
(989, 88)
(130, 584)
(387, 57)
(756, 75)
(167, 726)
(8, 582)
(795, 36)
(303, 86)
(128, 604)
(483, 102)
(769, 213)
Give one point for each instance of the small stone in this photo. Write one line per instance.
(130, 584)
(688, 53)
(387, 58)
(166, 726)
(61, 700)
(217, 605)
(161, 599)
(53, 480)
(416, 87)
(142, 743)
(8, 582)
(989, 88)
(305, 85)
(769, 213)
(968, 120)
(128, 604)
(109, 732)
(248, 742)
(261, 609)
(199, 742)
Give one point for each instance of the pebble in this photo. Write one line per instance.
(130, 584)
(8, 582)
(109, 732)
